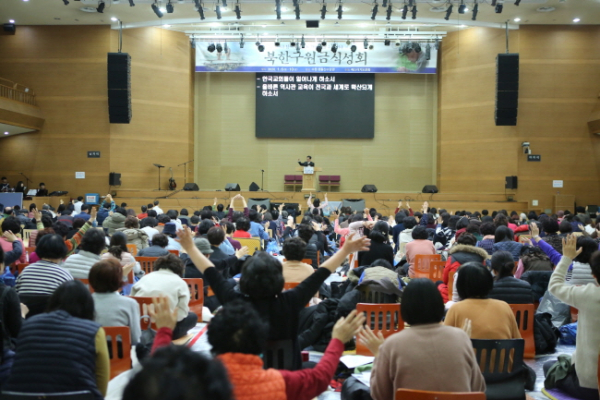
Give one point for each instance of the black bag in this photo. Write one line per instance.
(144, 346)
(353, 389)
(545, 333)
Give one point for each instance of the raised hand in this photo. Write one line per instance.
(241, 252)
(162, 314)
(570, 249)
(370, 340)
(356, 243)
(186, 238)
(9, 236)
(346, 328)
(37, 215)
(535, 231)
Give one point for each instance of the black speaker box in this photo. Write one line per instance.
(119, 88)
(114, 179)
(507, 89)
(429, 189)
(191, 187)
(369, 189)
(232, 187)
(10, 28)
(312, 24)
(253, 187)
(511, 182)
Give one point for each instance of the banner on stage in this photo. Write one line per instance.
(409, 58)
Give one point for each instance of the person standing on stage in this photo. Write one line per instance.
(5, 186)
(307, 163)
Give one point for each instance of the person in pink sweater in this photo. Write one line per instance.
(419, 245)
(428, 355)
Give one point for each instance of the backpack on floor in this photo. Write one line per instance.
(545, 333)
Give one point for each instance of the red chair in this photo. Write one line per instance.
(21, 267)
(145, 320)
(384, 318)
(86, 282)
(408, 394)
(574, 314)
(176, 252)
(119, 361)
(146, 263)
(290, 285)
(524, 313)
(196, 286)
(423, 268)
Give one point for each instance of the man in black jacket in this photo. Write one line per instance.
(307, 163)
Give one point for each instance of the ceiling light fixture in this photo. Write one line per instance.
(211, 48)
(404, 11)
(576, 20)
(219, 48)
(414, 12)
(278, 8)
(353, 48)
(170, 7)
(493, 3)
(242, 41)
(475, 11)
(448, 12)
(517, 19)
(277, 43)
(388, 13)
(131, 3)
(462, 7)
(366, 44)
(66, 2)
(517, 2)
(334, 48)
(261, 48)
(114, 19)
(218, 11)
(499, 8)
(297, 10)
(156, 10)
(387, 42)
(323, 10)
(319, 48)
(224, 2)
(101, 6)
(238, 10)
(374, 10)
(340, 10)
(302, 42)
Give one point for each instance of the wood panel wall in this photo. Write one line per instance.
(401, 157)
(559, 86)
(66, 67)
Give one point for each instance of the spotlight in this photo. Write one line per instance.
(384, 3)
(302, 42)
(323, 11)
(292, 43)
(348, 42)
(404, 11)
(366, 43)
(499, 8)
(201, 12)
(428, 52)
(218, 11)
(374, 11)
(156, 10)
(398, 43)
(475, 11)
(462, 8)
(414, 12)
(323, 43)
(100, 7)
(319, 48)
(211, 48)
(219, 48)
(66, 2)
(448, 12)
(224, 2)
(389, 12)
(131, 3)
(278, 8)
(340, 11)
(334, 48)
(242, 41)
(371, 47)
(493, 3)
(170, 8)
(437, 43)
(517, 2)
(297, 11)
(277, 43)
(353, 48)
(238, 10)
(261, 48)
(387, 42)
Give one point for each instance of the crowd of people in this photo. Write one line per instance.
(52, 326)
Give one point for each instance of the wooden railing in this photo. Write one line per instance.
(16, 91)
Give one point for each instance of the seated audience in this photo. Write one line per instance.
(419, 245)
(158, 248)
(380, 247)
(488, 230)
(294, 270)
(242, 226)
(406, 235)
(115, 220)
(10, 313)
(504, 239)
(134, 234)
(62, 350)
(169, 231)
(92, 244)
(149, 225)
(112, 309)
(143, 214)
(221, 247)
(421, 357)
(306, 233)
(13, 225)
(166, 280)
(490, 318)
(506, 287)
(262, 282)
(256, 228)
(581, 378)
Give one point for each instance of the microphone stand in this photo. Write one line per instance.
(185, 170)
(262, 179)
(159, 167)
(27, 180)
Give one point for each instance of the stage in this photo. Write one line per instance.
(385, 203)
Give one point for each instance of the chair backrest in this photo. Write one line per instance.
(335, 178)
(21, 267)
(145, 320)
(423, 264)
(450, 284)
(132, 248)
(253, 244)
(524, 314)
(120, 359)
(86, 282)
(279, 354)
(574, 314)
(289, 178)
(29, 250)
(146, 263)
(176, 252)
(408, 394)
(499, 359)
(80, 395)
(384, 318)
(27, 234)
(307, 261)
(290, 285)
(196, 286)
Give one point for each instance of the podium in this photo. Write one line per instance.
(308, 178)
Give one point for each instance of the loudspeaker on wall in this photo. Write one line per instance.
(114, 179)
(232, 187)
(369, 189)
(119, 88)
(191, 187)
(511, 182)
(254, 187)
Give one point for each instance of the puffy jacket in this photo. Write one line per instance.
(114, 222)
(311, 252)
(512, 247)
(512, 291)
(138, 237)
(457, 256)
(539, 281)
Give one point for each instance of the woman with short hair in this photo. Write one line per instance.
(92, 244)
(420, 245)
(506, 287)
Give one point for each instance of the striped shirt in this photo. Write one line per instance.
(42, 277)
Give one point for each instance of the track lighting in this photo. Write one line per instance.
(334, 48)
(404, 11)
(475, 11)
(398, 43)
(224, 2)
(277, 43)
(387, 42)
(428, 52)
(156, 10)
(353, 48)
(218, 11)
(131, 3)
(384, 3)
(170, 7)
(66, 2)
(437, 43)
(238, 10)
(319, 48)
(517, 2)
(297, 11)
(374, 11)
(323, 43)
(340, 11)
(101, 6)
(242, 41)
(201, 12)
(302, 42)
(388, 13)
(323, 10)
(462, 7)
(414, 12)
(278, 8)
(499, 8)
(261, 48)
(366, 44)
(493, 3)
(219, 48)
(448, 12)
(211, 48)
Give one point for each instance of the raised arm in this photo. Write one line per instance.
(186, 238)
(554, 255)
(309, 201)
(571, 294)
(325, 202)
(353, 244)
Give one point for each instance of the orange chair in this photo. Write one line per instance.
(423, 266)
(384, 318)
(524, 314)
(196, 286)
(352, 261)
(450, 284)
(21, 267)
(210, 292)
(306, 261)
(290, 285)
(29, 250)
(146, 263)
(574, 314)
(119, 362)
(176, 252)
(86, 282)
(145, 321)
(407, 394)
(132, 249)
